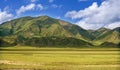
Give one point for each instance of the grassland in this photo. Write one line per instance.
(59, 58)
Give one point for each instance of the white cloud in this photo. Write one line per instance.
(25, 8)
(83, 13)
(29, 7)
(5, 16)
(113, 25)
(40, 7)
(50, 1)
(94, 17)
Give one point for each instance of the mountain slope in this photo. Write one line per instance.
(56, 42)
(112, 36)
(43, 26)
(10, 27)
(99, 32)
(43, 29)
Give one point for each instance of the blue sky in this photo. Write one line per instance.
(62, 9)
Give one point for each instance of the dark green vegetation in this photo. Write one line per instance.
(47, 31)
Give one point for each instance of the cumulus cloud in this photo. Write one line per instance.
(112, 25)
(5, 16)
(29, 7)
(94, 17)
(40, 7)
(26, 8)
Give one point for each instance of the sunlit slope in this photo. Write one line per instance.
(112, 36)
(21, 30)
(43, 29)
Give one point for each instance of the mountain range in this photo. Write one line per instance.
(47, 31)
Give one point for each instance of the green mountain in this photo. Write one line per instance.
(112, 36)
(99, 32)
(48, 31)
(53, 42)
(41, 27)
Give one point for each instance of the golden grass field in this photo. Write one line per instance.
(59, 58)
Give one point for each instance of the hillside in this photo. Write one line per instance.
(99, 32)
(41, 28)
(112, 36)
(48, 31)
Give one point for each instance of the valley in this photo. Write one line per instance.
(46, 43)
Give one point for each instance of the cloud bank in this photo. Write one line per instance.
(25, 8)
(5, 16)
(29, 7)
(106, 15)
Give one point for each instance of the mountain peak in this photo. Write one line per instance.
(102, 29)
(25, 17)
(44, 16)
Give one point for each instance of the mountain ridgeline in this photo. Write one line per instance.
(49, 32)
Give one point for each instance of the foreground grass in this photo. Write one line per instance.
(60, 58)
